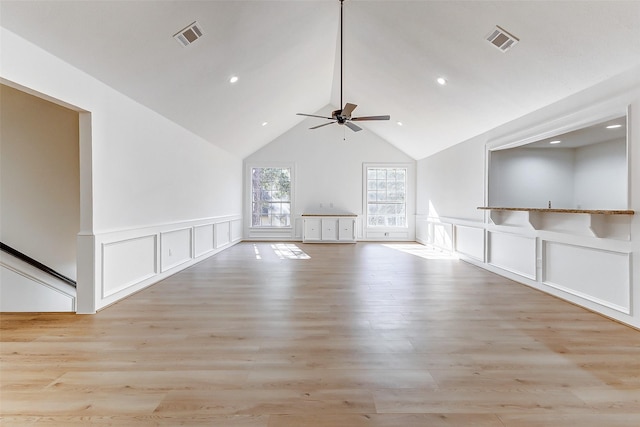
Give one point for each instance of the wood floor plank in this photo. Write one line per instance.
(477, 400)
(582, 420)
(267, 401)
(355, 335)
(386, 420)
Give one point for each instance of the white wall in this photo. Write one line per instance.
(545, 251)
(328, 164)
(589, 177)
(39, 145)
(451, 183)
(531, 177)
(601, 176)
(141, 174)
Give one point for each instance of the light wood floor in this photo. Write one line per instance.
(356, 335)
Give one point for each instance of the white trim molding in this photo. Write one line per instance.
(405, 233)
(127, 261)
(268, 233)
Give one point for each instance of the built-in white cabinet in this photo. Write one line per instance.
(347, 229)
(312, 230)
(329, 229)
(336, 228)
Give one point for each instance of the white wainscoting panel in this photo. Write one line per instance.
(127, 262)
(422, 230)
(266, 234)
(175, 248)
(386, 235)
(203, 239)
(236, 230)
(223, 234)
(512, 252)
(600, 276)
(469, 241)
(441, 235)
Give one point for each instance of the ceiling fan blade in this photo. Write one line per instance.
(371, 118)
(348, 109)
(313, 115)
(324, 124)
(352, 126)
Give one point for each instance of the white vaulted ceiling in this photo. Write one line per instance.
(285, 54)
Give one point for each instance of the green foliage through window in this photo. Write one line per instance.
(271, 197)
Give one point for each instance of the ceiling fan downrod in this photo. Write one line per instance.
(342, 116)
(341, 48)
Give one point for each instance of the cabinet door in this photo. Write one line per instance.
(329, 229)
(346, 229)
(312, 229)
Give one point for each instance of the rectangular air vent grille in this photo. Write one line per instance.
(189, 34)
(501, 39)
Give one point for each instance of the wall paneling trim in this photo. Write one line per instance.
(127, 262)
(600, 276)
(130, 260)
(512, 252)
(203, 239)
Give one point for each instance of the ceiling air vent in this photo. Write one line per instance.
(501, 39)
(189, 34)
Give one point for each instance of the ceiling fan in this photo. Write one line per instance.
(343, 116)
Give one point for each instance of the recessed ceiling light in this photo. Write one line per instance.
(441, 80)
(399, 123)
(557, 141)
(233, 79)
(264, 123)
(614, 126)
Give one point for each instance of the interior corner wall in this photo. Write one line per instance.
(149, 176)
(451, 183)
(451, 186)
(328, 166)
(40, 179)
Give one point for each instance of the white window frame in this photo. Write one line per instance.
(249, 194)
(407, 196)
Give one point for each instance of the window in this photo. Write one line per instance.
(386, 196)
(271, 197)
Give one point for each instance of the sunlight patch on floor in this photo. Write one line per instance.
(289, 251)
(426, 252)
(257, 252)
